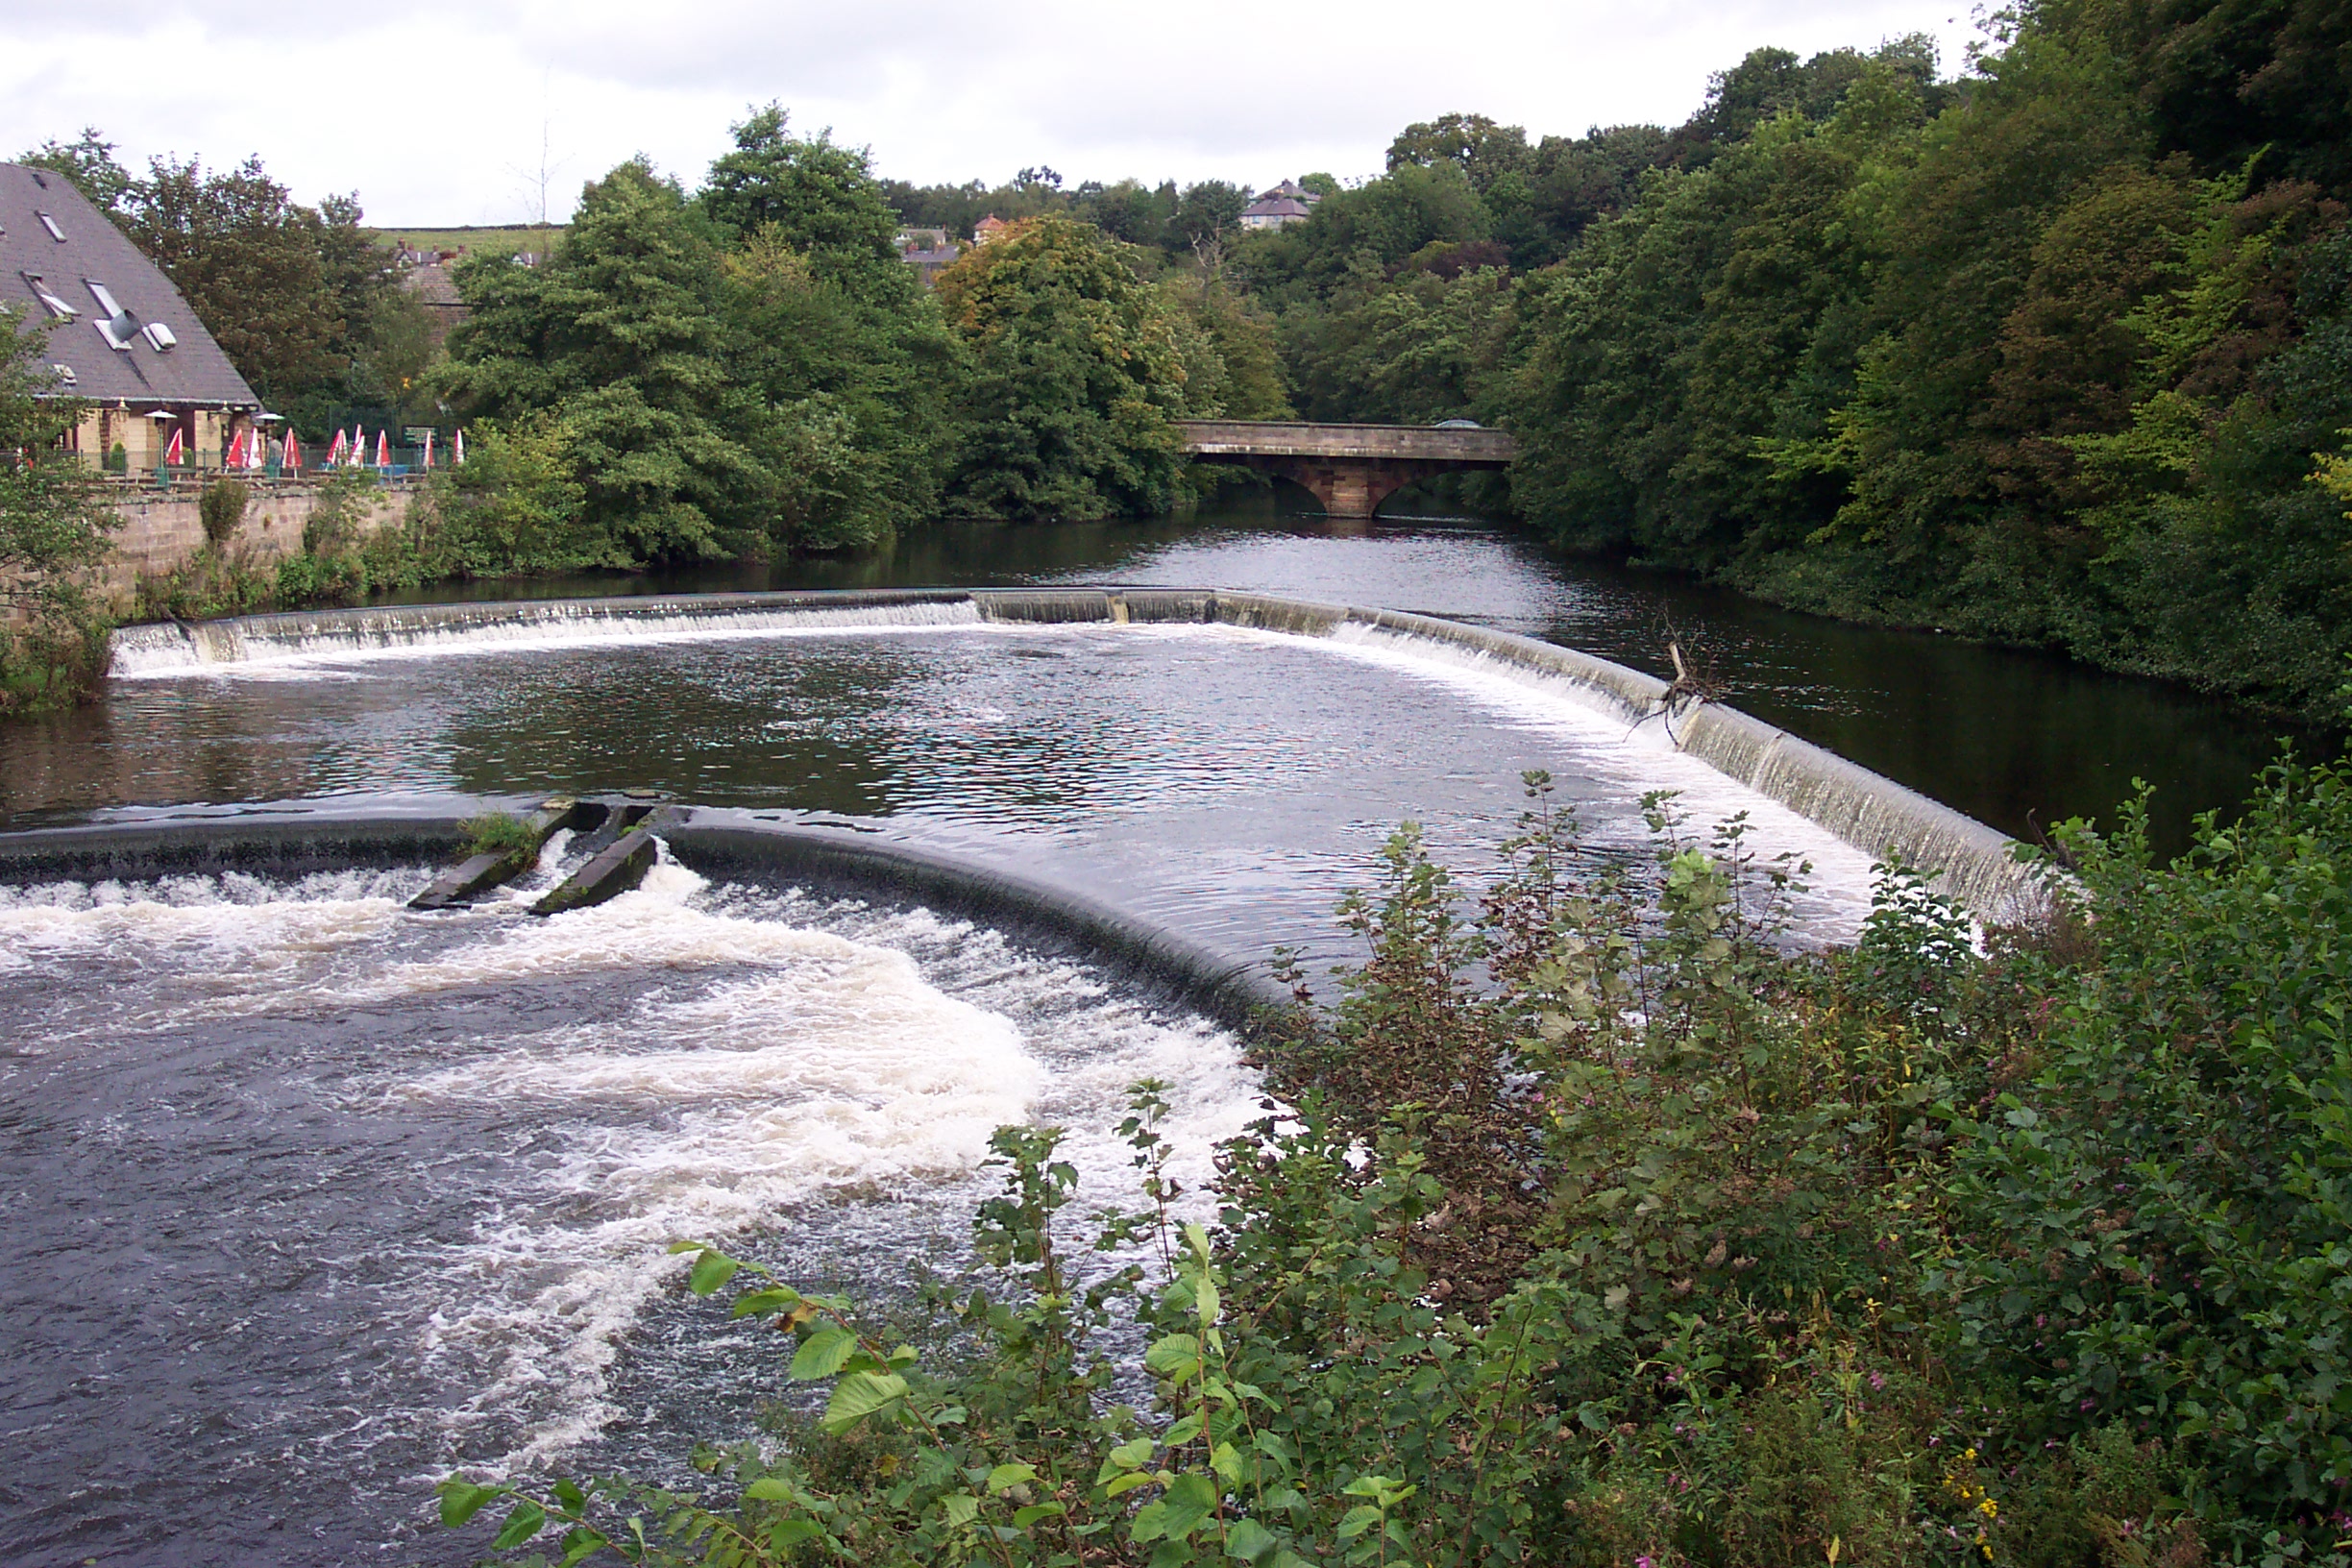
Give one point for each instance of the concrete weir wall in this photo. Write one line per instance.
(1875, 814)
(1232, 991)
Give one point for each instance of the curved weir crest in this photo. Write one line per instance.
(1874, 814)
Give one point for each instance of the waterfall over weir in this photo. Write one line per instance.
(1872, 813)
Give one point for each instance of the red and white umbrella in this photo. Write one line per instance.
(457, 453)
(237, 452)
(290, 459)
(335, 453)
(428, 459)
(175, 455)
(383, 449)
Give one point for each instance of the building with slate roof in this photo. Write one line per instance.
(1286, 204)
(121, 339)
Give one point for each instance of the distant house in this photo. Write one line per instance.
(430, 284)
(122, 338)
(929, 263)
(1286, 203)
(987, 229)
(921, 240)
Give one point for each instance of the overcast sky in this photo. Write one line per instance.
(434, 113)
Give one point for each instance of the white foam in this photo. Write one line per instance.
(276, 651)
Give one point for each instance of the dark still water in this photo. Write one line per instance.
(2017, 739)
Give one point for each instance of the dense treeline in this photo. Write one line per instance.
(2050, 354)
(750, 368)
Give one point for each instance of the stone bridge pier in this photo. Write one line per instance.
(1351, 469)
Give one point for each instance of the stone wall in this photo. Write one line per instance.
(162, 528)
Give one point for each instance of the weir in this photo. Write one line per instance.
(1875, 814)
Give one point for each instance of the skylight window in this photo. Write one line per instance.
(106, 300)
(49, 301)
(51, 224)
(161, 337)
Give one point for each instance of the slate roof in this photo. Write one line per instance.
(194, 371)
(1276, 206)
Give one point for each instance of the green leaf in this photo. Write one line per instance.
(711, 1270)
(580, 1543)
(1249, 1540)
(1192, 1498)
(1134, 1456)
(1121, 1486)
(1182, 1432)
(1359, 1519)
(859, 1395)
(769, 1489)
(526, 1520)
(790, 1532)
(568, 1493)
(1023, 1518)
(462, 1500)
(1177, 1356)
(821, 1353)
(1005, 1477)
(780, 1298)
(962, 1507)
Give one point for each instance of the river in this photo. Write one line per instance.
(307, 1199)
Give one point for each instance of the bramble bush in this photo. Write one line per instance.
(1593, 1223)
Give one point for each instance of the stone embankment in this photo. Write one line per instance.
(163, 531)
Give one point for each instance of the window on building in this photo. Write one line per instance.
(106, 300)
(49, 301)
(51, 224)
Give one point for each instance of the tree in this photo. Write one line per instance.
(1078, 372)
(820, 199)
(622, 333)
(54, 526)
(1483, 151)
(89, 162)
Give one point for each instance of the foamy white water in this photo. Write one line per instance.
(717, 1063)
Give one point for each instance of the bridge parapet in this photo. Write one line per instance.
(1351, 469)
(1426, 443)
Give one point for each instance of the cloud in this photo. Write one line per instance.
(435, 114)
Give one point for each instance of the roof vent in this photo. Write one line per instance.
(161, 337)
(51, 224)
(39, 178)
(64, 374)
(118, 331)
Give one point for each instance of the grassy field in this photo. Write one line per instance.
(516, 238)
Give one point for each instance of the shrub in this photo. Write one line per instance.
(221, 509)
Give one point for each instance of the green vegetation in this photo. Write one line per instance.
(2047, 355)
(1596, 1227)
(501, 833)
(489, 239)
(54, 528)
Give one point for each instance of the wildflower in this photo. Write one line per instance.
(1877, 1380)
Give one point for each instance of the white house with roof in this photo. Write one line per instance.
(120, 336)
(1279, 208)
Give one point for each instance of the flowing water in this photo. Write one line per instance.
(305, 1199)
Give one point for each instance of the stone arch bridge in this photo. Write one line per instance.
(1351, 469)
